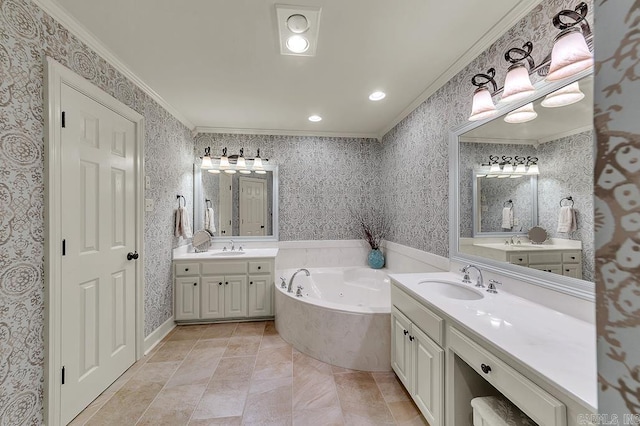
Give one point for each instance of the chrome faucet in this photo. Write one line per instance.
(465, 279)
(492, 286)
(289, 290)
(232, 246)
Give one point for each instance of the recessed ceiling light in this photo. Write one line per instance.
(297, 44)
(377, 96)
(315, 118)
(297, 23)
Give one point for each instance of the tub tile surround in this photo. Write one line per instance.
(558, 347)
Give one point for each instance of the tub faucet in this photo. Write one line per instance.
(289, 290)
(233, 248)
(465, 271)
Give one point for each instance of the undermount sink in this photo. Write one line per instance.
(453, 290)
(226, 253)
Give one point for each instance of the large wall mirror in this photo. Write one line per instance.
(499, 201)
(236, 206)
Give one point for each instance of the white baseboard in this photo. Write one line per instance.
(158, 334)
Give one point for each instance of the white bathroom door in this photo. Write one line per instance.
(253, 206)
(99, 230)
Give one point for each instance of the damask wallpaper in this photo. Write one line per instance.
(415, 159)
(617, 205)
(27, 35)
(320, 179)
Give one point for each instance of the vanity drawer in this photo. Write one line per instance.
(259, 267)
(543, 408)
(426, 320)
(519, 259)
(571, 270)
(556, 269)
(571, 257)
(187, 269)
(224, 268)
(538, 258)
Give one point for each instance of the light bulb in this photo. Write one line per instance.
(297, 44)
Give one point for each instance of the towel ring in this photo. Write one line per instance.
(508, 202)
(208, 203)
(183, 199)
(569, 198)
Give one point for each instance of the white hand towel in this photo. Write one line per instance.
(209, 221)
(183, 227)
(567, 219)
(507, 218)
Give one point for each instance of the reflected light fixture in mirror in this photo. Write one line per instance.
(522, 114)
(206, 159)
(568, 95)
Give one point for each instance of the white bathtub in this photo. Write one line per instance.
(343, 317)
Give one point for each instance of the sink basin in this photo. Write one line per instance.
(453, 290)
(226, 253)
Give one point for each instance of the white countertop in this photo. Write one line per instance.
(557, 346)
(526, 247)
(258, 253)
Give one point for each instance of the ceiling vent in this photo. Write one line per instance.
(298, 29)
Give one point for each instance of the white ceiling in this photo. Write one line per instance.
(217, 63)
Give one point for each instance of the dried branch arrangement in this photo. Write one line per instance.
(372, 225)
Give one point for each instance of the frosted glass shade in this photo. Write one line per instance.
(214, 171)
(206, 162)
(224, 162)
(533, 170)
(482, 106)
(257, 163)
(508, 168)
(495, 168)
(517, 84)
(570, 55)
(568, 95)
(241, 163)
(230, 171)
(245, 171)
(521, 168)
(522, 114)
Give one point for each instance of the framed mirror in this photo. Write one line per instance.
(497, 198)
(236, 206)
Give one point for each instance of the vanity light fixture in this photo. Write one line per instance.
(521, 115)
(506, 168)
(533, 166)
(520, 166)
(567, 95)
(517, 84)
(495, 164)
(315, 118)
(235, 163)
(206, 159)
(571, 54)
(377, 96)
(483, 106)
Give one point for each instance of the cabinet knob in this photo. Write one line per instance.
(195, 284)
(411, 338)
(520, 259)
(259, 267)
(485, 368)
(406, 332)
(573, 257)
(250, 282)
(226, 283)
(186, 269)
(220, 283)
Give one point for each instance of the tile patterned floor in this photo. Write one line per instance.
(245, 374)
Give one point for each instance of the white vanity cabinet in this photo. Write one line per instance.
(210, 290)
(431, 347)
(561, 262)
(417, 359)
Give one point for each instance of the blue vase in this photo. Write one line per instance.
(376, 259)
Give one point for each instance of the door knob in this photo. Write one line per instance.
(132, 256)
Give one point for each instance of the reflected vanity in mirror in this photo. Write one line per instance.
(534, 177)
(239, 206)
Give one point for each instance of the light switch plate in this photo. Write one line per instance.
(148, 204)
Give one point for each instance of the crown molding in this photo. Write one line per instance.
(281, 132)
(519, 11)
(572, 132)
(500, 141)
(84, 35)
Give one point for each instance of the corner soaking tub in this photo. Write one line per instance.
(342, 318)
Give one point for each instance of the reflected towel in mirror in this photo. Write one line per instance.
(183, 227)
(567, 219)
(209, 221)
(507, 218)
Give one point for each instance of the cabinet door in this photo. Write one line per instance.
(212, 297)
(570, 270)
(554, 268)
(428, 371)
(235, 296)
(260, 288)
(401, 347)
(187, 298)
